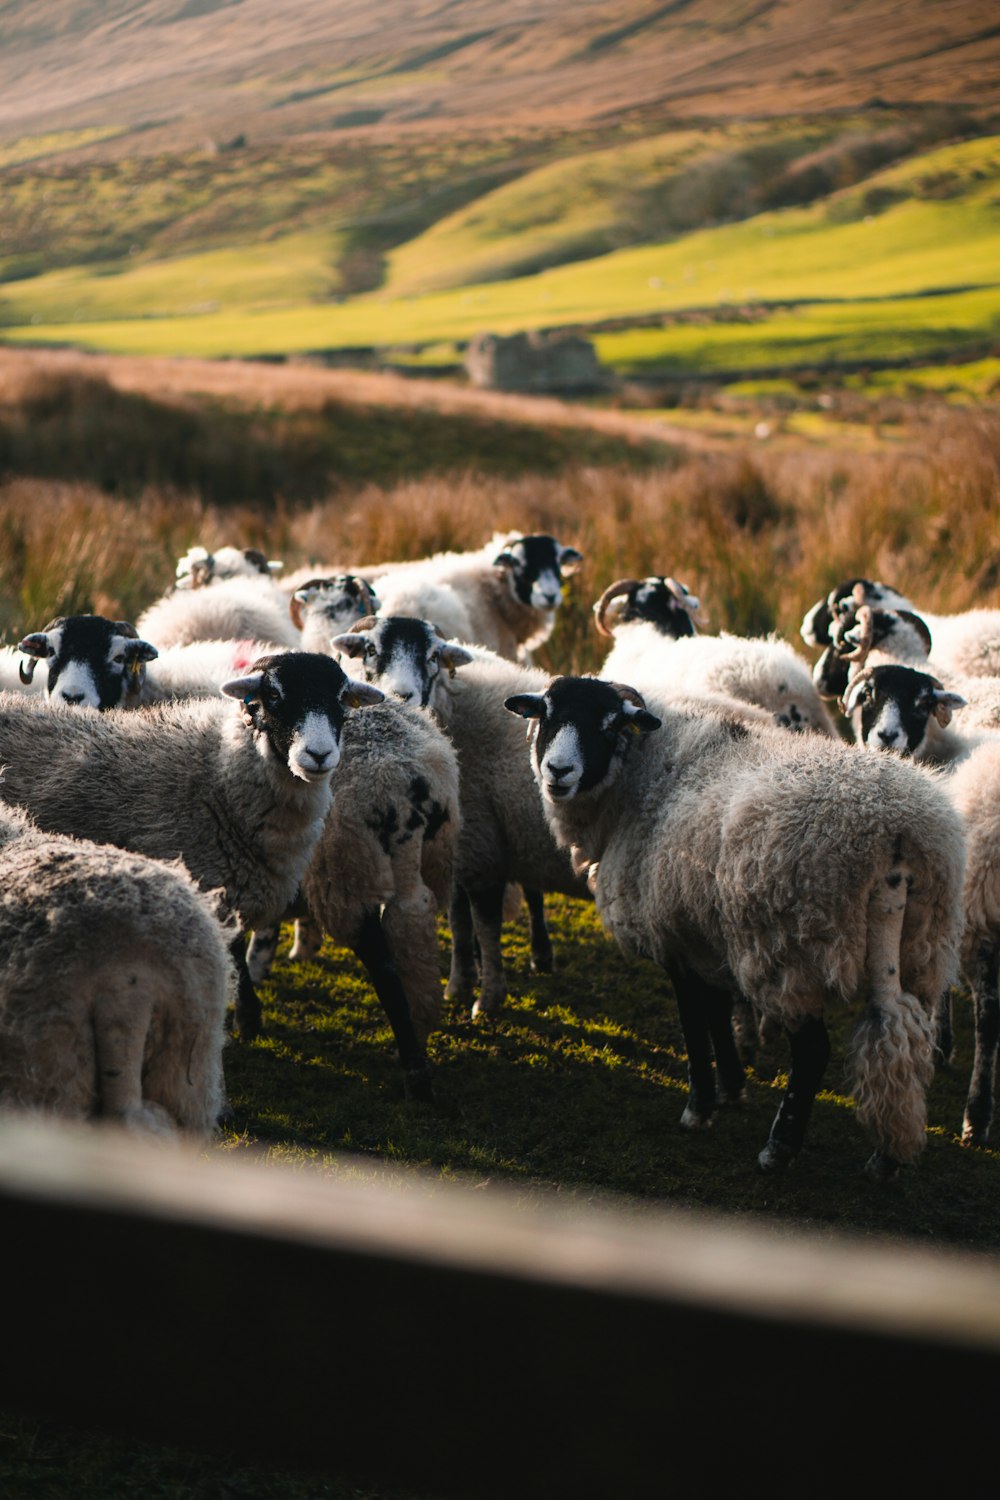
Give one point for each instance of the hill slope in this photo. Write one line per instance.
(181, 68)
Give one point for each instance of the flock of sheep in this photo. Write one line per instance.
(346, 748)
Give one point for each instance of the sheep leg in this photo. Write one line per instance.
(372, 948)
(945, 1043)
(463, 974)
(261, 953)
(487, 917)
(248, 1014)
(979, 1105)
(728, 1063)
(810, 1054)
(308, 938)
(745, 1029)
(121, 1022)
(541, 943)
(702, 1099)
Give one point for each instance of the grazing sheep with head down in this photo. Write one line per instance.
(113, 985)
(785, 867)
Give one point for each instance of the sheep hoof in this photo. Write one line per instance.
(542, 963)
(691, 1119)
(248, 1027)
(732, 1100)
(882, 1168)
(460, 993)
(974, 1135)
(417, 1085)
(775, 1157)
(484, 1008)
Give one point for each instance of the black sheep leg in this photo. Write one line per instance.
(541, 943)
(979, 1105)
(464, 968)
(728, 1063)
(702, 1100)
(810, 1055)
(248, 1015)
(487, 917)
(372, 949)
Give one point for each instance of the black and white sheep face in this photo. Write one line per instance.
(404, 656)
(199, 567)
(582, 729)
(662, 602)
(818, 622)
(92, 662)
(336, 603)
(535, 567)
(891, 708)
(295, 705)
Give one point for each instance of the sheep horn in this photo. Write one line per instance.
(866, 639)
(628, 694)
(613, 591)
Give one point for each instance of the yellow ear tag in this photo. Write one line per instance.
(135, 666)
(633, 728)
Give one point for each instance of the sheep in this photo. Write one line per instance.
(965, 644)
(382, 868)
(97, 663)
(800, 872)
(900, 710)
(92, 662)
(320, 607)
(654, 648)
(503, 596)
(198, 567)
(236, 609)
(504, 837)
(113, 985)
(240, 797)
(406, 771)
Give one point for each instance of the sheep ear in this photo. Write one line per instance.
(138, 651)
(852, 696)
(454, 656)
(945, 705)
(640, 720)
(349, 645)
(528, 705)
(360, 694)
(36, 645)
(247, 687)
(505, 560)
(570, 561)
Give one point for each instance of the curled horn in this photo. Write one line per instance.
(629, 694)
(613, 591)
(27, 671)
(364, 624)
(866, 638)
(295, 610)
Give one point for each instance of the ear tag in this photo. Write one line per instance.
(633, 728)
(134, 667)
(248, 700)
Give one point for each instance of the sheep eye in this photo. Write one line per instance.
(119, 659)
(369, 651)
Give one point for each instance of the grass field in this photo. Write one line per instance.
(936, 228)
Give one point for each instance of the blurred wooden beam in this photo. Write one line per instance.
(452, 1340)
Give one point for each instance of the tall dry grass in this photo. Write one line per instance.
(759, 535)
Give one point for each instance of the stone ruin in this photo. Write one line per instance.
(534, 362)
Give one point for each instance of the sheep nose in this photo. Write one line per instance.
(319, 756)
(558, 772)
(887, 736)
(72, 697)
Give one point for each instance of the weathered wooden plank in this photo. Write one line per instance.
(442, 1338)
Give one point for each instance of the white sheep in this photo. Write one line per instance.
(504, 596)
(322, 607)
(504, 837)
(908, 713)
(198, 567)
(239, 795)
(113, 984)
(653, 650)
(235, 609)
(797, 871)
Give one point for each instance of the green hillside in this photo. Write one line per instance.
(929, 224)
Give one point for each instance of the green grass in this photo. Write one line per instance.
(795, 255)
(813, 335)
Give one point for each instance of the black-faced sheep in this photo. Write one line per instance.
(795, 871)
